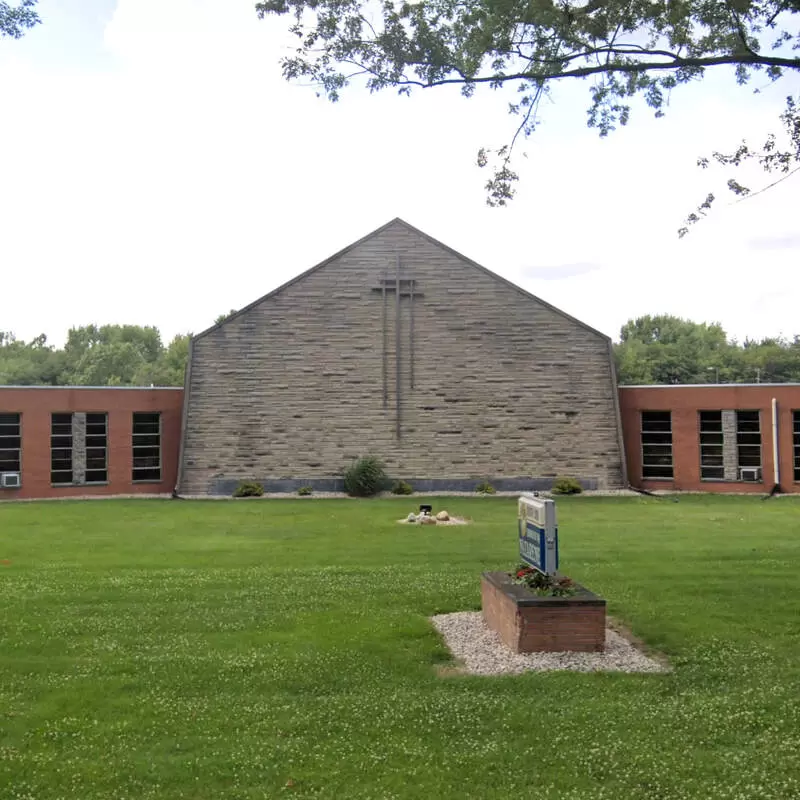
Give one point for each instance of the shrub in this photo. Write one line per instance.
(305, 491)
(249, 489)
(566, 485)
(365, 477)
(402, 487)
(484, 487)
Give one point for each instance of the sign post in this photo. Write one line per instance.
(538, 533)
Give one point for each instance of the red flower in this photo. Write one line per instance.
(522, 573)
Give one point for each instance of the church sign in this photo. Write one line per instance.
(538, 533)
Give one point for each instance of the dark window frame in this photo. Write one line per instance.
(61, 446)
(746, 447)
(711, 438)
(94, 474)
(655, 441)
(11, 441)
(796, 444)
(142, 441)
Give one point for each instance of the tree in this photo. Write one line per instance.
(222, 317)
(110, 355)
(625, 48)
(666, 349)
(14, 21)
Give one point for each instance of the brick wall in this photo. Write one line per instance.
(547, 625)
(504, 386)
(684, 403)
(36, 404)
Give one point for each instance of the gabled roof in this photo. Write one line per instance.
(376, 232)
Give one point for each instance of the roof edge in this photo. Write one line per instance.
(503, 280)
(298, 278)
(95, 388)
(706, 385)
(428, 237)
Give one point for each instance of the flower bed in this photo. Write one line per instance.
(531, 623)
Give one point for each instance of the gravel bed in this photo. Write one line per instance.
(481, 652)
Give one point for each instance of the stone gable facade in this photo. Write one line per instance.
(457, 377)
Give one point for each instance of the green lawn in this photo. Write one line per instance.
(165, 649)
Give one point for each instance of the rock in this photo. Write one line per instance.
(412, 517)
(428, 520)
(443, 516)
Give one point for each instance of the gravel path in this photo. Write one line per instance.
(481, 652)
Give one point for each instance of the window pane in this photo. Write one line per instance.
(9, 460)
(657, 438)
(657, 472)
(96, 476)
(711, 420)
(9, 419)
(796, 416)
(61, 477)
(147, 474)
(656, 421)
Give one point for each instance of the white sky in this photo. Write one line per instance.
(157, 169)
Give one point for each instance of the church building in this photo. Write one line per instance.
(401, 348)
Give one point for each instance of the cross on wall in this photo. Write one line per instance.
(402, 285)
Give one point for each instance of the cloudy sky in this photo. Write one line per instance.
(157, 169)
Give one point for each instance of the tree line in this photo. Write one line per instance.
(651, 349)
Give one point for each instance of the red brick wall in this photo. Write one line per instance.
(685, 402)
(35, 404)
(550, 627)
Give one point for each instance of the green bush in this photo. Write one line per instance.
(484, 487)
(305, 491)
(566, 485)
(249, 489)
(402, 487)
(365, 477)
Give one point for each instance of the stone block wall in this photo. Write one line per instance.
(472, 378)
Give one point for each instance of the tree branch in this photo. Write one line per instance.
(583, 72)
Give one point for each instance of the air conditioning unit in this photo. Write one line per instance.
(750, 474)
(10, 480)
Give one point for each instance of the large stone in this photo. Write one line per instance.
(426, 520)
(443, 516)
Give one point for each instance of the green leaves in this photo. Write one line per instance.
(110, 355)
(15, 21)
(664, 349)
(626, 48)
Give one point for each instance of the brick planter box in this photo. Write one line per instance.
(528, 623)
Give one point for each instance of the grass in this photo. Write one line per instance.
(269, 649)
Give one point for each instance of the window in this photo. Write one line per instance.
(61, 448)
(748, 440)
(96, 448)
(146, 447)
(10, 443)
(657, 445)
(712, 465)
(796, 443)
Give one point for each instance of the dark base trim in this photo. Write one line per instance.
(226, 486)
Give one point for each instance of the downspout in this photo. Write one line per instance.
(775, 455)
(618, 415)
(187, 384)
